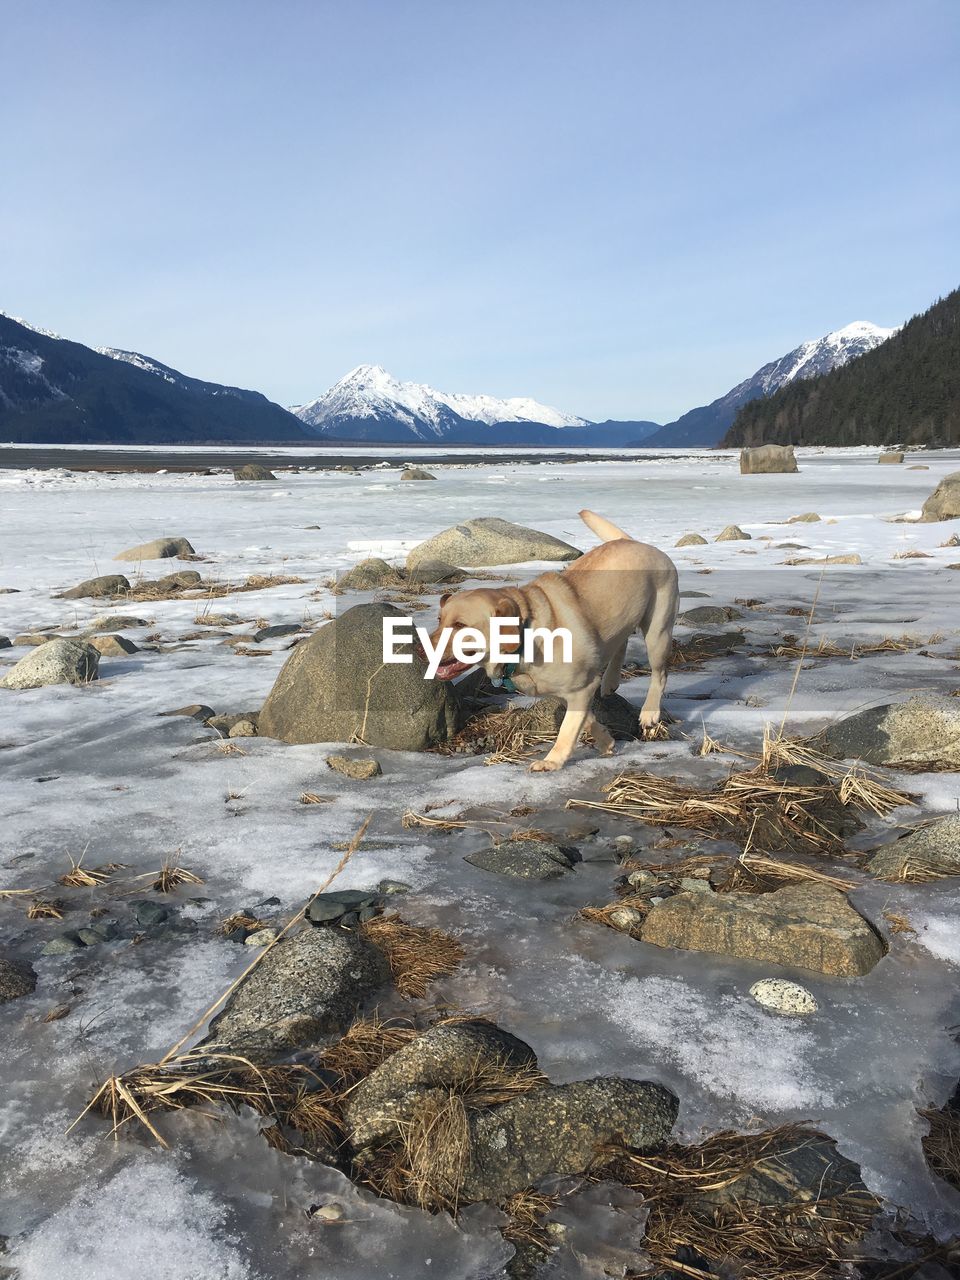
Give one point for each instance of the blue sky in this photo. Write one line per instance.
(621, 208)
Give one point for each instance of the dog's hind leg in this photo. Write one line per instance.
(611, 676)
(578, 712)
(602, 737)
(658, 637)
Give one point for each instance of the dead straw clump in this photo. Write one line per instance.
(170, 877)
(941, 1145)
(202, 1079)
(240, 920)
(311, 797)
(45, 909)
(750, 808)
(417, 955)
(510, 735)
(526, 1212)
(695, 1230)
(81, 877)
(366, 1045)
(859, 787)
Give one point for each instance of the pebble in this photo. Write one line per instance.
(387, 887)
(625, 918)
(62, 945)
(261, 937)
(326, 1212)
(781, 996)
(150, 913)
(642, 879)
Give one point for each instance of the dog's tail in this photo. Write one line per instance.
(603, 528)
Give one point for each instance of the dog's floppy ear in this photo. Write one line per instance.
(445, 597)
(507, 608)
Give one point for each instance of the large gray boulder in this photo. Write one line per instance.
(335, 687)
(416, 473)
(489, 540)
(767, 459)
(307, 985)
(559, 1130)
(926, 853)
(59, 661)
(944, 502)
(158, 549)
(108, 584)
(924, 729)
(444, 1057)
(893, 457)
(806, 926)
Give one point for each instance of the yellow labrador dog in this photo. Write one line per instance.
(601, 599)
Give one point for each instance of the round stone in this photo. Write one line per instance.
(781, 996)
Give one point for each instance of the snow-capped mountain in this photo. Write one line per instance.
(707, 424)
(368, 399)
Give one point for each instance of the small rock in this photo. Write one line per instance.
(429, 571)
(225, 723)
(416, 473)
(625, 918)
(367, 574)
(523, 860)
(808, 517)
(116, 622)
(691, 540)
(324, 908)
(177, 581)
(150, 914)
(93, 935)
(31, 639)
(108, 584)
(158, 549)
(851, 558)
(783, 997)
(5, 642)
(253, 471)
(643, 879)
(196, 711)
(59, 661)
(708, 615)
(242, 729)
(390, 887)
(732, 533)
(326, 1212)
(276, 631)
(894, 456)
(261, 937)
(15, 980)
(62, 945)
(929, 851)
(354, 766)
(113, 646)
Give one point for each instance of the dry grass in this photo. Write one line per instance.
(604, 915)
(311, 797)
(825, 648)
(209, 590)
(941, 1145)
(362, 1048)
(199, 1078)
(245, 651)
(239, 920)
(708, 745)
(898, 923)
(170, 877)
(45, 909)
(912, 555)
(859, 787)
(509, 734)
(811, 1238)
(81, 877)
(425, 1162)
(751, 808)
(417, 955)
(655, 732)
(230, 747)
(526, 1211)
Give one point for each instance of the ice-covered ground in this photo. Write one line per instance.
(95, 772)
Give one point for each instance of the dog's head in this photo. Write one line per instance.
(474, 610)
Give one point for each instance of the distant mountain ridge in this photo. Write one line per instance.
(370, 404)
(707, 425)
(53, 391)
(905, 391)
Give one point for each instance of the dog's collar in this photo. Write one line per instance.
(505, 679)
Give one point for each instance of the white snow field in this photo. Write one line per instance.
(95, 772)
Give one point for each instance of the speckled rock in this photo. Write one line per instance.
(108, 584)
(928, 852)
(490, 540)
(691, 540)
(557, 1129)
(15, 980)
(308, 984)
(784, 997)
(354, 766)
(920, 730)
(768, 459)
(109, 646)
(59, 661)
(732, 533)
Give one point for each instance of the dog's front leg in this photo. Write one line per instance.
(578, 708)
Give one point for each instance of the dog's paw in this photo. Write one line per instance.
(545, 766)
